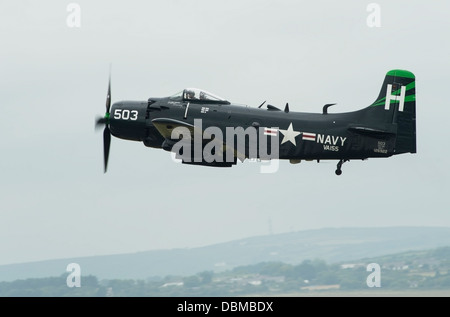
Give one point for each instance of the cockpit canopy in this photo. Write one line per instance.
(197, 95)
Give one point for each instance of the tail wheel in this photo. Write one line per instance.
(339, 166)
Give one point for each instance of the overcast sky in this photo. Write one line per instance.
(55, 200)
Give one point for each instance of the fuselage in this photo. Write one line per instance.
(309, 136)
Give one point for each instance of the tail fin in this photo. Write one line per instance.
(397, 99)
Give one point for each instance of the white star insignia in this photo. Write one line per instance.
(289, 135)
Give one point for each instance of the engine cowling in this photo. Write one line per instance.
(128, 120)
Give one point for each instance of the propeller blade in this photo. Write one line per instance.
(106, 145)
(105, 122)
(262, 104)
(108, 96)
(100, 122)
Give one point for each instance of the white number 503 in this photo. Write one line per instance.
(125, 114)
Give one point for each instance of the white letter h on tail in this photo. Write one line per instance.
(390, 96)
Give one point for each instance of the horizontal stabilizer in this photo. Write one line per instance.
(371, 131)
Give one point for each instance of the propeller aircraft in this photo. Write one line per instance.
(195, 118)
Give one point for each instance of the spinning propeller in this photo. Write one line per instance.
(105, 121)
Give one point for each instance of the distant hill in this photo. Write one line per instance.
(330, 244)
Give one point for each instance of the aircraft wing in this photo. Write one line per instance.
(165, 126)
